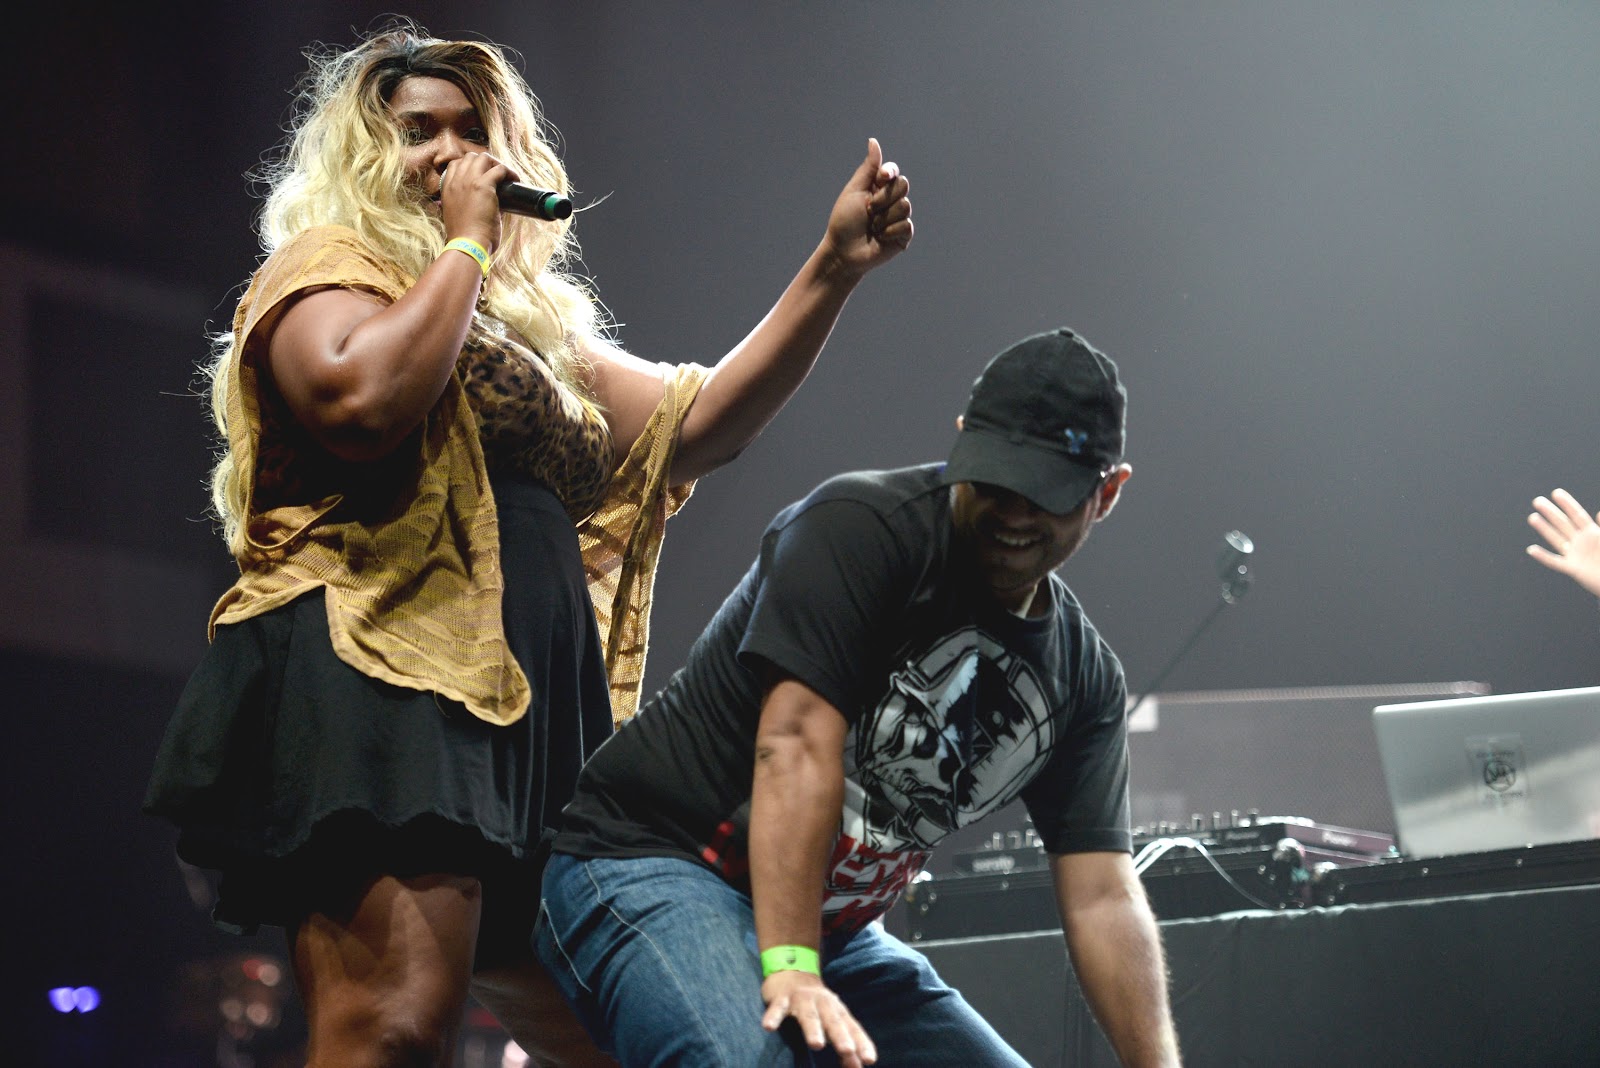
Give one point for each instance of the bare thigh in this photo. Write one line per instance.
(527, 1003)
(385, 977)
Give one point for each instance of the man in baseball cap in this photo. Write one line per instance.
(899, 661)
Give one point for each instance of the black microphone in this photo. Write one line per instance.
(520, 199)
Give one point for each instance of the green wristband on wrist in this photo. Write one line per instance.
(790, 959)
(471, 248)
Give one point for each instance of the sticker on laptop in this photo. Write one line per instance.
(1499, 768)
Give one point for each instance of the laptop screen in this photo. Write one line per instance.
(1471, 774)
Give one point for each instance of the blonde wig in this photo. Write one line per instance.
(341, 164)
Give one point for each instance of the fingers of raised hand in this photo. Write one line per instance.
(1540, 519)
(891, 188)
(1560, 520)
(1554, 538)
(889, 212)
(1554, 561)
(1572, 509)
(1551, 522)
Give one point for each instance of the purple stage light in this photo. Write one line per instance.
(75, 999)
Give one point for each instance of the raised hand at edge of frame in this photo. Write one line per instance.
(1573, 536)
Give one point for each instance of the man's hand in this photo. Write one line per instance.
(823, 1019)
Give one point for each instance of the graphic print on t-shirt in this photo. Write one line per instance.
(963, 728)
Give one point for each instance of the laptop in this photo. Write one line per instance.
(1471, 774)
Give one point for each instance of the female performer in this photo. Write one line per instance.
(418, 407)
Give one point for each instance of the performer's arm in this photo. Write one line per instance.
(1116, 953)
(360, 374)
(796, 802)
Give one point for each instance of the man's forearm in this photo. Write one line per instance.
(1116, 952)
(795, 802)
(793, 819)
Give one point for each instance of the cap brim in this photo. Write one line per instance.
(1054, 482)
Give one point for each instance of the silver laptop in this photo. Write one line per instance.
(1471, 774)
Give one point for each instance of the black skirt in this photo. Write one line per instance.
(297, 777)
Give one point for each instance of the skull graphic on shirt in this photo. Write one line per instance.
(962, 728)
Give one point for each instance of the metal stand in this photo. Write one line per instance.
(1233, 569)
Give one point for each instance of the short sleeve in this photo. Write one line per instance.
(319, 258)
(1079, 802)
(834, 581)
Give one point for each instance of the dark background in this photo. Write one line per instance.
(1345, 255)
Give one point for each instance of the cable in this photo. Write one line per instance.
(1160, 847)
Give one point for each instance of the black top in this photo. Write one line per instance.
(956, 706)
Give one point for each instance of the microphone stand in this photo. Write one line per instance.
(1233, 569)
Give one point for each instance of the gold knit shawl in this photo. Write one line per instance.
(414, 598)
(621, 542)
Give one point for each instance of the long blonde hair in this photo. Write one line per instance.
(341, 165)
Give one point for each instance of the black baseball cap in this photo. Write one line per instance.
(1046, 419)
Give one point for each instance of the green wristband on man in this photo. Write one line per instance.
(790, 959)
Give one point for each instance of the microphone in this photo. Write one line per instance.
(1233, 565)
(521, 199)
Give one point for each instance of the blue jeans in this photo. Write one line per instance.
(659, 958)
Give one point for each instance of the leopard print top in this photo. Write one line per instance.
(529, 423)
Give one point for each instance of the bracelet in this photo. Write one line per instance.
(471, 248)
(790, 959)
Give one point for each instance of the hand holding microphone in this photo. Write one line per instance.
(519, 198)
